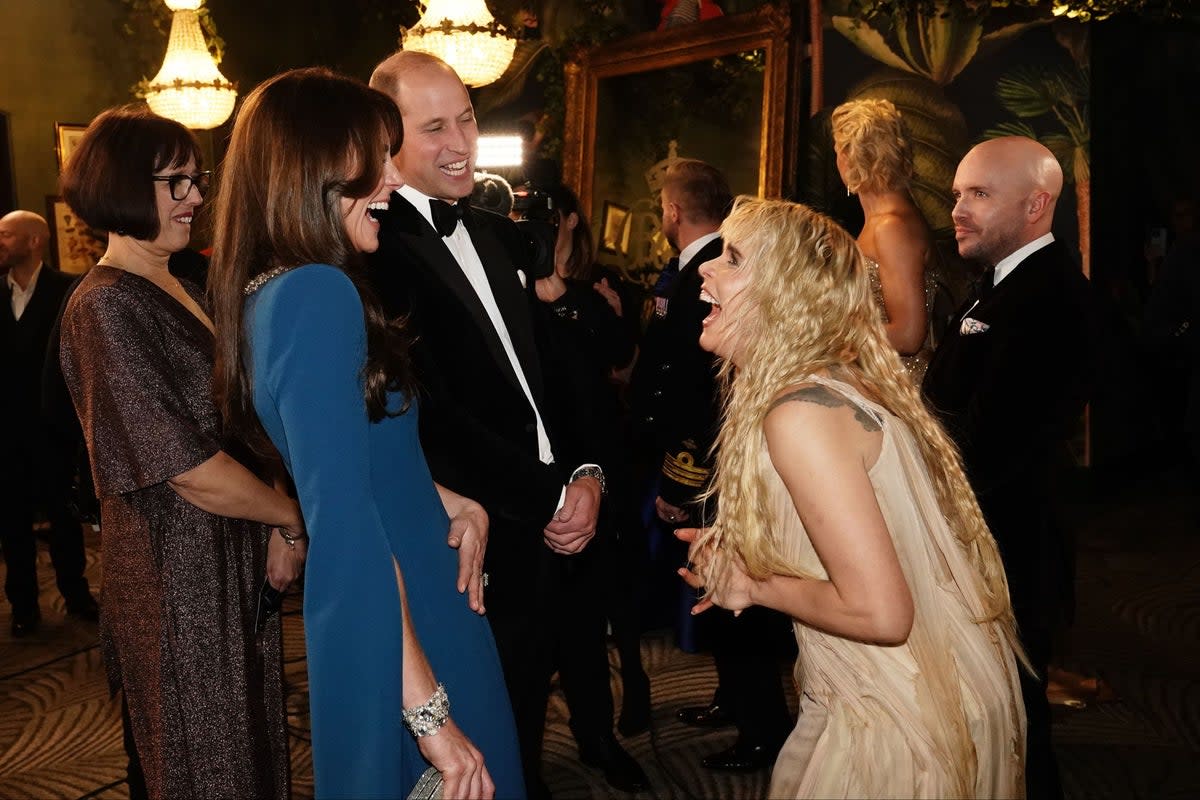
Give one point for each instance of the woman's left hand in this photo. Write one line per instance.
(284, 561)
(469, 535)
(734, 592)
(609, 294)
(460, 762)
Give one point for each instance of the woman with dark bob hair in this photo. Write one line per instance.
(308, 366)
(188, 532)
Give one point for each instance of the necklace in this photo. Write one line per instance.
(260, 280)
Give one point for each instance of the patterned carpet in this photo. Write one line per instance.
(1137, 627)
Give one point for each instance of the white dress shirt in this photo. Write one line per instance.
(460, 246)
(689, 252)
(1008, 264)
(20, 297)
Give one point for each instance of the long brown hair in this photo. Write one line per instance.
(581, 264)
(296, 141)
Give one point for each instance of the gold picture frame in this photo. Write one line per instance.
(614, 228)
(75, 246)
(66, 139)
(766, 30)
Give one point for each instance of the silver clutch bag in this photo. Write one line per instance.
(429, 786)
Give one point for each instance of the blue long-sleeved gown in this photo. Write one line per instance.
(367, 497)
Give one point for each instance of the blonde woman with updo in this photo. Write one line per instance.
(874, 158)
(844, 505)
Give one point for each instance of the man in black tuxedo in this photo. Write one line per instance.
(497, 422)
(1009, 381)
(35, 465)
(676, 414)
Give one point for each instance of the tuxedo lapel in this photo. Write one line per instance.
(688, 270)
(513, 304)
(1003, 302)
(433, 255)
(44, 301)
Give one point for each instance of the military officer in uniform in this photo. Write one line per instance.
(676, 411)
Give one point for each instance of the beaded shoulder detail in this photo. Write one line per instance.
(260, 280)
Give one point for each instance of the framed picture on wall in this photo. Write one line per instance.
(614, 228)
(74, 247)
(8, 194)
(66, 138)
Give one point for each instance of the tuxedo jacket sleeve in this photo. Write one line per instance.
(676, 404)
(477, 427)
(1011, 393)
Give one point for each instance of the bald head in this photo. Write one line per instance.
(1005, 191)
(23, 238)
(440, 134)
(1026, 162)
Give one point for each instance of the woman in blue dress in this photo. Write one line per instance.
(307, 363)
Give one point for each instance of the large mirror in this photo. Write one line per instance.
(716, 90)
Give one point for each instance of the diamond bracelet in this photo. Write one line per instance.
(428, 719)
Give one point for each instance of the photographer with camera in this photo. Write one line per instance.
(497, 419)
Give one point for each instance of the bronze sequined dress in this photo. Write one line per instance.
(180, 584)
(918, 362)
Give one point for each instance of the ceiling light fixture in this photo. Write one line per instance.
(465, 35)
(189, 88)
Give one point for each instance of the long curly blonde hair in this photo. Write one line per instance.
(807, 307)
(876, 143)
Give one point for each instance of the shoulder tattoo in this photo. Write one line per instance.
(824, 396)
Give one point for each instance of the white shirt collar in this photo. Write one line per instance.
(1008, 264)
(12, 283)
(689, 252)
(21, 297)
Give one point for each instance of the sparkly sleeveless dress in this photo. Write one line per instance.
(918, 362)
(938, 716)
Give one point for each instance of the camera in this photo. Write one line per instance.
(530, 241)
(537, 225)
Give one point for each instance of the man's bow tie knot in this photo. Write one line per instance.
(447, 215)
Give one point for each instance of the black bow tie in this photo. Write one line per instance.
(447, 216)
(986, 283)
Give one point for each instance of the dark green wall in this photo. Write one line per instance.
(60, 61)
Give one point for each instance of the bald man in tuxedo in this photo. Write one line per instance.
(1009, 381)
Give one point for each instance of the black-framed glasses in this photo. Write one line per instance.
(180, 185)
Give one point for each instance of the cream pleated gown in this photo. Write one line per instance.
(938, 716)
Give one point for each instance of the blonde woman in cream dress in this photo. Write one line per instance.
(844, 505)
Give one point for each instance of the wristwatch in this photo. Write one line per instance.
(590, 471)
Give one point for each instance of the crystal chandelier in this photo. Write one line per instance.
(189, 88)
(464, 34)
